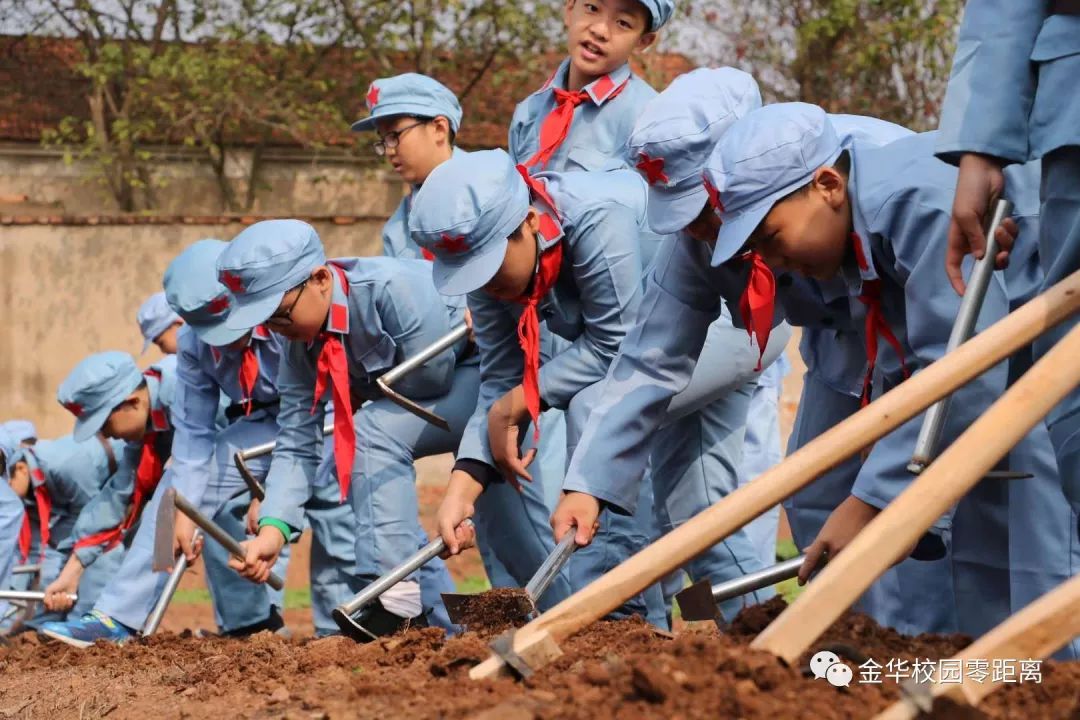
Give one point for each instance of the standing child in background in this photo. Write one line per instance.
(790, 190)
(56, 479)
(108, 393)
(350, 320)
(1012, 98)
(417, 119)
(564, 247)
(158, 324)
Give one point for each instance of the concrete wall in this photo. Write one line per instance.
(67, 291)
(290, 182)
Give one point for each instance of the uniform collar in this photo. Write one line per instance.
(338, 319)
(551, 229)
(599, 90)
(259, 333)
(863, 269)
(37, 476)
(159, 415)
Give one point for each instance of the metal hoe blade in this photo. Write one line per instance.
(701, 602)
(164, 531)
(344, 614)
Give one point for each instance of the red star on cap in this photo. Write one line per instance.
(372, 96)
(74, 408)
(218, 305)
(653, 169)
(231, 281)
(452, 245)
(714, 194)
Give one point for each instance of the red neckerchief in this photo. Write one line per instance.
(333, 368)
(529, 323)
(876, 324)
(556, 126)
(43, 500)
(147, 476)
(757, 302)
(249, 374)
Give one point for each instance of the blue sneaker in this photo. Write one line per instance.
(82, 633)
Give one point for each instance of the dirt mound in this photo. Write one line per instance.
(610, 670)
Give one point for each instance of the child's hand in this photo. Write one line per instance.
(980, 182)
(253, 517)
(260, 554)
(845, 522)
(456, 507)
(505, 420)
(58, 593)
(580, 510)
(184, 531)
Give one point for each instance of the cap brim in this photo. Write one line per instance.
(737, 229)
(87, 427)
(365, 125)
(473, 274)
(669, 212)
(218, 334)
(246, 315)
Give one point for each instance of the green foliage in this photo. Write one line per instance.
(885, 58)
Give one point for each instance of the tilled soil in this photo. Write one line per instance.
(610, 670)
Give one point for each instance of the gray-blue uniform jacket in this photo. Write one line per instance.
(109, 507)
(390, 313)
(600, 130)
(593, 303)
(72, 473)
(208, 383)
(1012, 93)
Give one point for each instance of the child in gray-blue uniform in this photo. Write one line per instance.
(158, 324)
(57, 478)
(1012, 97)
(562, 247)
(417, 119)
(790, 189)
(694, 454)
(349, 320)
(11, 513)
(107, 393)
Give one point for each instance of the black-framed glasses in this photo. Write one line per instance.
(393, 138)
(284, 318)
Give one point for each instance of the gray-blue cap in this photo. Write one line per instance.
(263, 263)
(194, 291)
(762, 158)
(409, 94)
(675, 133)
(660, 11)
(95, 387)
(21, 430)
(464, 213)
(154, 317)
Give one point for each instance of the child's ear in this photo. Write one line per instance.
(442, 128)
(533, 220)
(646, 41)
(832, 184)
(321, 278)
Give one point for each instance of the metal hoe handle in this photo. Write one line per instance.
(963, 329)
(551, 566)
(153, 620)
(438, 347)
(757, 580)
(29, 595)
(214, 530)
(402, 571)
(387, 581)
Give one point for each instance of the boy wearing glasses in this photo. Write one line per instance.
(416, 118)
(348, 321)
